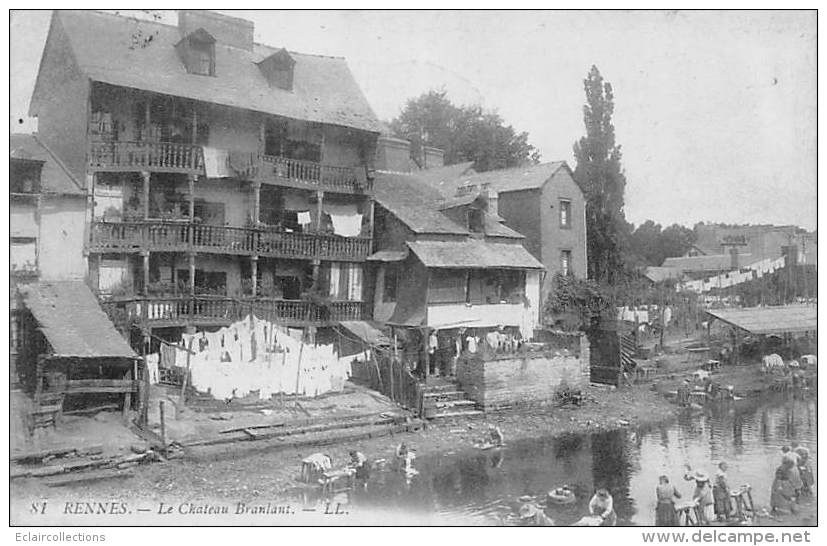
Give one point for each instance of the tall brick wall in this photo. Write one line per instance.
(520, 381)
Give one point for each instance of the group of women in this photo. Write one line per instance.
(713, 498)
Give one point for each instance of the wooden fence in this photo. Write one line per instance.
(389, 376)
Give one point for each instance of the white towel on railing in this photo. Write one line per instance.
(346, 219)
(217, 163)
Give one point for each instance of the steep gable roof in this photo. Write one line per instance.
(414, 203)
(503, 180)
(54, 176)
(418, 205)
(323, 91)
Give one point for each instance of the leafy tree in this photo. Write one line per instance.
(676, 240)
(600, 176)
(464, 133)
(575, 304)
(650, 244)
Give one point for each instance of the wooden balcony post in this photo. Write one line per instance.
(319, 204)
(254, 274)
(370, 224)
(145, 255)
(191, 258)
(191, 188)
(256, 187)
(145, 175)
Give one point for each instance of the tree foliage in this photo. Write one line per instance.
(650, 244)
(600, 176)
(464, 133)
(575, 304)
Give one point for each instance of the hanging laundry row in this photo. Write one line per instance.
(255, 355)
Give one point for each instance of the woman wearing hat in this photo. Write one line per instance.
(602, 505)
(702, 494)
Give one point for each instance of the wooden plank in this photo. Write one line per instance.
(90, 477)
(82, 386)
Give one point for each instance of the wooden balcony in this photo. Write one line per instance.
(217, 310)
(308, 174)
(167, 236)
(117, 156)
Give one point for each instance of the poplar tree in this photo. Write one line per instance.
(600, 176)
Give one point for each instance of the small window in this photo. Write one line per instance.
(565, 262)
(476, 220)
(391, 283)
(565, 213)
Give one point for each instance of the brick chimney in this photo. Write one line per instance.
(393, 154)
(733, 255)
(226, 30)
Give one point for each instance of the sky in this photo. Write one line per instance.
(715, 111)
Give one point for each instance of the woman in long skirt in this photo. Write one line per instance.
(782, 495)
(721, 493)
(665, 515)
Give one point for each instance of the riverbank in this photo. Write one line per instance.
(191, 476)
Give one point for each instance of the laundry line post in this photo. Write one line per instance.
(299, 371)
(182, 400)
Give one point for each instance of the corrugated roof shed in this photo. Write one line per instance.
(368, 332)
(54, 177)
(474, 254)
(324, 89)
(771, 320)
(73, 322)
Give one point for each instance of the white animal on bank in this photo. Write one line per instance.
(700, 375)
(772, 363)
(808, 360)
(793, 364)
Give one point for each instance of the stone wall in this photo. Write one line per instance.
(521, 380)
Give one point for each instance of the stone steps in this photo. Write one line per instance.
(445, 400)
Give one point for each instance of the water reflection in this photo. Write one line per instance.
(479, 487)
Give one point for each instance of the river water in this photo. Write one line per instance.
(480, 487)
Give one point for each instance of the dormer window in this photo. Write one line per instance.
(197, 50)
(278, 69)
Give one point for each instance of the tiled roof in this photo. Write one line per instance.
(501, 180)
(438, 176)
(54, 177)
(473, 253)
(771, 320)
(417, 205)
(658, 274)
(323, 91)
(73, 322)
(713, 262)
(414, 203)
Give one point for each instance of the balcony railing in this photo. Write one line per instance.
(146, 156)
(165, 236)
(327, 177)
(216, 309)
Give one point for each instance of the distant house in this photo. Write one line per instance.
(47, 207)
(449, 263)
(760, 242)
(542, 202)
(700, 266)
